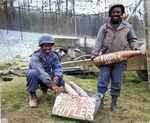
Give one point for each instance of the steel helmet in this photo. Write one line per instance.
(113, 5)
(46, 38)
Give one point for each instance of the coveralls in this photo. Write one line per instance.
(112, 40)
(42, 69)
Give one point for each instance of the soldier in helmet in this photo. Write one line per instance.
(44, 70)
(114, 35)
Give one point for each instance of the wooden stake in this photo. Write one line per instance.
(147, 35)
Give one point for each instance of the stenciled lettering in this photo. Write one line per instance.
(90, 113)
(59, 109)
(69, 110)
(82, 112)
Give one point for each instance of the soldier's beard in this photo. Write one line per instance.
(115, 21)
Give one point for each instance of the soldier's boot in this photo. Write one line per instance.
(113, 107)
(32, 100)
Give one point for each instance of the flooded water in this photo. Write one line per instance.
(12, 43)
(15, 43)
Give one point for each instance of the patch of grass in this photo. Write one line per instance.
(5, 65)
(16, 106)
(87, 76)
(131, 76)
(134, 102)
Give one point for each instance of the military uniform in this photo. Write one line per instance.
(111, 40)
(42, 68)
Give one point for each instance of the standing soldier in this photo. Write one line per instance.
(114, 35)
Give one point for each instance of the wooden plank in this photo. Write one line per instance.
(137, 63)
(77, 63)
(75, 107)
(134, 63)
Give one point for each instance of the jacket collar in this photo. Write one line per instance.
(121, 26)
(43, 55)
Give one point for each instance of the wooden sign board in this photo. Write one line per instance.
(74, 107)
(137, 63)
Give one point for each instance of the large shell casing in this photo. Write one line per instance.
(70, 90)
(79, 90)
(116, 57)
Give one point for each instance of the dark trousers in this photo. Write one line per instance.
(111, 73)
(33, 80)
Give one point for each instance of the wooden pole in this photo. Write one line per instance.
(147, 35)
(20, 21)
(73, 3)
(85, 43)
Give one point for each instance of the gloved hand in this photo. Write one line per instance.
(56, 89)
(55, 80)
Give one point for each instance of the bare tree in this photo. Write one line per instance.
(134, 10)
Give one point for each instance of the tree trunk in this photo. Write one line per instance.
(73, 3)
(147, 35)
(67, 6)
